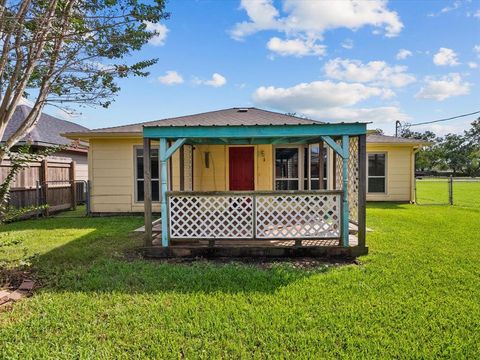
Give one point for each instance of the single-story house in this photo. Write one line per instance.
(47, 132)
(236, 151)
(115, 161)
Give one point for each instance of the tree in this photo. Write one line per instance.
(473, 143)
(454, 153)
(427, 158)
(473, 134)
(54, 52)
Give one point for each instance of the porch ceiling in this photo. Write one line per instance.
(255, 134)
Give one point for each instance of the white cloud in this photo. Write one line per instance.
(443, 87)
(217, 80)
(295, 47)
(445, 57)
(347, 44)
(308, 97)
(472, 65)
(263, 15)
(456, 4)
(403, 54)
(310, 19)
(331, 101)
(383, 115)
(477, 14)
(377, 72)
(171, 78)
(160, 31)
(476, 49)
(442, 129)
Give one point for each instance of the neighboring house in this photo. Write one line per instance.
(47, 132)
(116, 162)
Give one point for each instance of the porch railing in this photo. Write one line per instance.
(255, 215)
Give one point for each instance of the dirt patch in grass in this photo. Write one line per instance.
(11, 278)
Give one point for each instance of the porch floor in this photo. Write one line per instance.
(255, 248)
(353, 241)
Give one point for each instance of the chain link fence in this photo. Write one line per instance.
(459, 191)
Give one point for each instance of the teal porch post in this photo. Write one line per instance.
(345, 207)
(163, 189)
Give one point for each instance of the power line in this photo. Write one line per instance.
(398, 123)
(446, 119)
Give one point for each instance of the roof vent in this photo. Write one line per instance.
(242, 110)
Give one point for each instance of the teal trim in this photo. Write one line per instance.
(345, 207)
(176, 145)
(257, 131)
(254, 141)
(279, 140)
(163, 189)
(332, 143)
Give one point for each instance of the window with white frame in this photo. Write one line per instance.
(287, 170)
(377, 173)
(293, 174)
(139, 181)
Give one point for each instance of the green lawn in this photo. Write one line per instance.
(466, 192)
(415, 295)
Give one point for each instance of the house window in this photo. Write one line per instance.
(311, 160)
(139, 175)
(291, 173)
(376, 173)
(286, 168)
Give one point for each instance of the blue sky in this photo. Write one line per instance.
(334, 61)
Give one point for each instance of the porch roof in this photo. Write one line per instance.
(254, 134)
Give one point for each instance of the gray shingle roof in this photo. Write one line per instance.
(386, 139)
(46, 132)
(226, 117)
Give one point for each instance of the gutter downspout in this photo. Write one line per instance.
(413, 185)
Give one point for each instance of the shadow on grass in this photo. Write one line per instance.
(387, 205)
(104, 260)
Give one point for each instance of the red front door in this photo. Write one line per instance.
(241, 163)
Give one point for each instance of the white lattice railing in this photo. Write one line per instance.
(298, 215)
(210, 215)
(255, 215)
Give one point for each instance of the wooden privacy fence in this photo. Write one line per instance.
(49, 182)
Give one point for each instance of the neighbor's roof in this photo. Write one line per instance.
(226, 117)
(386, 139)
(46, 132)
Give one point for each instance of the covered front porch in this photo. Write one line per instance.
(323, 222)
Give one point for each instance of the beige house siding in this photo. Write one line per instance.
(399, 173)
(112, 175)
(216, 176)
(81, 163)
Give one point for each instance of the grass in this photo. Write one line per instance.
(466, 192)
(415, 295)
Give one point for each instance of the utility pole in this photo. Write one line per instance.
(397, 127)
